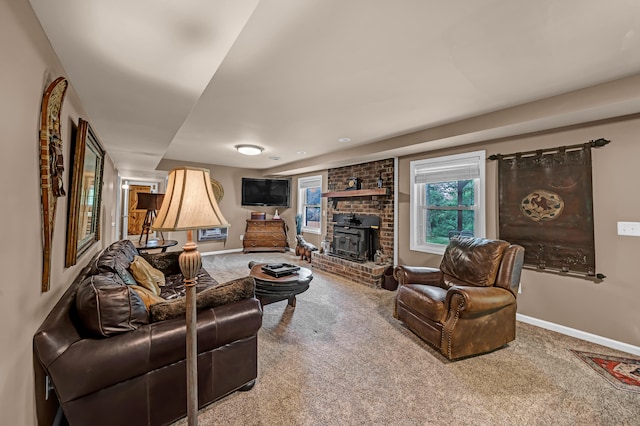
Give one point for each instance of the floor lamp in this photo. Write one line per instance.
(189, 204)
(151, 203)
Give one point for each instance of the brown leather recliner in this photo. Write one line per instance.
(468, 305)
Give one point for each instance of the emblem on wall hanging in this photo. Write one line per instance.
(51, 168)
(546, 205)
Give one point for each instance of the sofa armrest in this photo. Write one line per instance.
(476, 301)
(418, 275)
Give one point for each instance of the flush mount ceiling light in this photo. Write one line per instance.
(274, 157)
(301, 152)
(249, 149)
(344, 140)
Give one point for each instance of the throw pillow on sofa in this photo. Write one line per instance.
(106, 306)
(146, 275)
(231, 291)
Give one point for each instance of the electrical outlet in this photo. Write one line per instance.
(241, 237)
(629, 228)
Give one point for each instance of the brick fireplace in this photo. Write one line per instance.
(371, 212)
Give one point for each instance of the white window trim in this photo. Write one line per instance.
(416, 232)
(303, 183)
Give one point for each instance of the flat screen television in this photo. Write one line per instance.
(266, 192)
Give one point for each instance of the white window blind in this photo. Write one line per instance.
(448, 171)
(304, 183)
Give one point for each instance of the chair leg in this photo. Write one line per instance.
(248, 386)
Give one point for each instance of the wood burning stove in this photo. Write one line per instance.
(354, 236)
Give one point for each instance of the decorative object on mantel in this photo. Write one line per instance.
(353, 183)
(380, 181)
(51, 167)
(336, 195)
(190, 204)
(546, 205)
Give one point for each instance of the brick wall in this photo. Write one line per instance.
(367, 273)
(381, 206)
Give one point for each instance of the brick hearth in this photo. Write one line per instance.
(368, 273)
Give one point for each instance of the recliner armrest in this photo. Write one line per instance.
(418, 275)
(479, 300)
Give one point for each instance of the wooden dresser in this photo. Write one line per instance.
(265, 235)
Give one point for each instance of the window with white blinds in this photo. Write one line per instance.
(447, 199)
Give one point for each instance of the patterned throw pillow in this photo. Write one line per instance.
(221, 294)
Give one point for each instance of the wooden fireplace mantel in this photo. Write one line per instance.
(357, 193)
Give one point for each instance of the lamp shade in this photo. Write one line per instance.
(189, 202)
(149, 201)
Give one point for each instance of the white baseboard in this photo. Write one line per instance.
(238, 250)
(604, 341)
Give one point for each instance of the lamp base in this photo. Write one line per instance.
(190, 262)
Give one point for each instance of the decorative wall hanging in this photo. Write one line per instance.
(546, 205)
(51, 168)
(218, 190)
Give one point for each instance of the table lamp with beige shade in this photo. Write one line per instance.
(189, 203)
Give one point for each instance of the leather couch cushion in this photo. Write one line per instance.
(117, 262)
(146, 275)
(424, 300)
(474, 261)
(221, 294)
(126, 247)
(106, 306)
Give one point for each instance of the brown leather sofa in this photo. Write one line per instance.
(468, 305)
(120, 367)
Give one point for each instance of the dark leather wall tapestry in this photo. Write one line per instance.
(546, 205)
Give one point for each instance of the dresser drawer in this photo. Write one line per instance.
(264, 243)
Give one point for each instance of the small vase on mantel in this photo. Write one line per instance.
(276, 216)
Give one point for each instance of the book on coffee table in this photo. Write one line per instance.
(280, 269)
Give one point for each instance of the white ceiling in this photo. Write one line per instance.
(189, 80)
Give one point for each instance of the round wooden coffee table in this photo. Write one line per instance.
(270, 289)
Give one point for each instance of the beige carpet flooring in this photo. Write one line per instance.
(340, 358)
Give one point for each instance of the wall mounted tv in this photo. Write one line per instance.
(266, 192)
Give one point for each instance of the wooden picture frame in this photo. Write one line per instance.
(83, 222)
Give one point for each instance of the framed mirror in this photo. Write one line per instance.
(83, 222)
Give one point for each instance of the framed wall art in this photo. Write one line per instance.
(83, 222)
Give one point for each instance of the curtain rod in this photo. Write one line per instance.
(596, 143)
(597, 278)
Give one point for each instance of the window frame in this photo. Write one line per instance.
(305, 183)
(418, 206)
